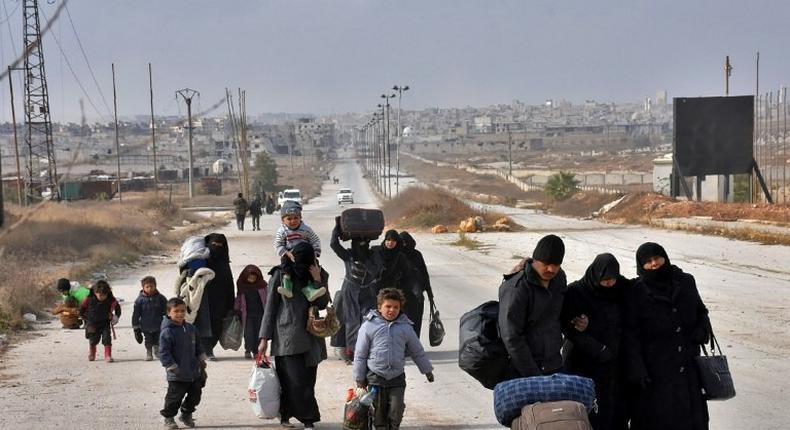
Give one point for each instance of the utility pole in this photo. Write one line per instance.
(727, 74)
(39, 125)
(387, 132)
(16, 145)
(234, 133)
(117, 143)
(510, 151)
(243, 140)
(187, 94)
(400, 89)
(153, 129)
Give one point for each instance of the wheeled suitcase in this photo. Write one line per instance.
(358, 223)
(562, 415)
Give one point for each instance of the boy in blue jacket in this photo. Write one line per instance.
(149, 311)
(182, 356)
(380, 356)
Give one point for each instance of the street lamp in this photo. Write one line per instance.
(400, 89)
(387, 141)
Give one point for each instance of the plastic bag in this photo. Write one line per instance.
(264, 392)
(232, 333)
(356, 415)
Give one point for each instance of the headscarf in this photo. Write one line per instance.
(360, 249)
(661, 278)
(244, 286)
(391, 254)
(218, 253)
(304, 258)
(604, 266)
(409, 244)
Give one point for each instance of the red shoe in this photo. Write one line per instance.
(92, 353)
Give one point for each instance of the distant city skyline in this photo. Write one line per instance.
(333, 56)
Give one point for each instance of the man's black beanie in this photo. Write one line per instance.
(549, 250)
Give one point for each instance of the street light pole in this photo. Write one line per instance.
(400, 89)
(187, 94)
(386, 107)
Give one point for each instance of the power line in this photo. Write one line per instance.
(85, 56)
(71, 69)
(14, 64)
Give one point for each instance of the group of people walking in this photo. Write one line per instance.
(636, 338)
(256, 208)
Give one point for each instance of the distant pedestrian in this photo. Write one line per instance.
(530, 302)
(149, 309)
(666, 322)
(251, 291)
(385, 339)
(182, 356)
(100, 311)
(240, 209)
(256, 210)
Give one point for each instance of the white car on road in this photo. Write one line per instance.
(292, 194)
(345, 195)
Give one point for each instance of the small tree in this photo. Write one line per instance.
(265, 171)
(561, 186)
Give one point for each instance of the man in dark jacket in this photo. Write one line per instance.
(256, 210)
(530, 302)
(240, 206)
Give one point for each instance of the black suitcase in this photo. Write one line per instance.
(357, 223)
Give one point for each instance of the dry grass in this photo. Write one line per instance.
(423, 208)
(582, 204)
(72, 239)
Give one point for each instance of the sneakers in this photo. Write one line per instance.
(311, 293)
(248, 355)
(187, 420)
(170, 423)
(287, 424)
(149, 354)
(287, 287)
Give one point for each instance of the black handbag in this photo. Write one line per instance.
(435, 327)
(714, 373)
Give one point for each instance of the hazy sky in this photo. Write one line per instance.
(328, 56)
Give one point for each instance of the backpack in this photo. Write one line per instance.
(481, 352)
(562, 415)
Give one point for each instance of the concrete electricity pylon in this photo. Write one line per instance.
(187, 94)
(38, 137)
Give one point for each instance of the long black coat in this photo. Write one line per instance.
(596, 352)
(663, 335)
(396, 273)
(529, 322)
(220, 290)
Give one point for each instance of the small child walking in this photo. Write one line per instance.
(251, 290)
(182, 356)
(149, 309)
(384, 339)
(100, 311)
(291, 232)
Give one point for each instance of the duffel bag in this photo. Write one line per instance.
(511, 396)
(481, 353)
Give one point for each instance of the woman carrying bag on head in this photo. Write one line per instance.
(296, 352)
(666, 322)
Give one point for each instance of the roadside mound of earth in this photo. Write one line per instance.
(640, 208)
(583, 204)
(423, 208)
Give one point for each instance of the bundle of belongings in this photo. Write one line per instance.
(559, 399)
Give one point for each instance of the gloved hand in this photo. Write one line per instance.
(114, 319)
(138, 335)
(429, 376)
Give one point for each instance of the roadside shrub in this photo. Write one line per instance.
(561, 186)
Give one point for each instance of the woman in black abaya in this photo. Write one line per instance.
(296, 352)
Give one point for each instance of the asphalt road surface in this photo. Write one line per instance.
(46, 382)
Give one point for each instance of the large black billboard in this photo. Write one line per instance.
(713, 135)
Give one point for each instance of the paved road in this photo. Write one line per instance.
(47, 382)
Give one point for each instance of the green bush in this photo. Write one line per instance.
(561, 186)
